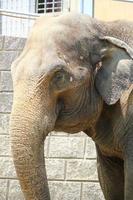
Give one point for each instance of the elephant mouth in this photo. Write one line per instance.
(60, 126)
(71, 123)
(70, 128)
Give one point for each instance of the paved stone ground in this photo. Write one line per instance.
(70, 159)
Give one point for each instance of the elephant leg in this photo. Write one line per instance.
(111, 176)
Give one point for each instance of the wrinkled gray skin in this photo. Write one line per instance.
(75, 74)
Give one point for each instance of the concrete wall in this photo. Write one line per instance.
(113, 9)
(17, 26)
(70, 159)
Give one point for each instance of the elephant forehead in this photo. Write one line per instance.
(65, 29)
(54, 48)
(51, 36)
(56, 39)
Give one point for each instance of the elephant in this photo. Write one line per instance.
(75, 74)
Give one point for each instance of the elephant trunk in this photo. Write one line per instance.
(29, 127)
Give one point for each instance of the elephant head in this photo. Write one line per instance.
(65, 72)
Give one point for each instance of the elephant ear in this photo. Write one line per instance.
(116, 72)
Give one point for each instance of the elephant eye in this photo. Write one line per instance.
(60, 79)
(59, 75)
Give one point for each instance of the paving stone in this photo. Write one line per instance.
(14, 43)
(3, 189)
(54, 133)
(80, 134)
(90, 151)
(6, 100)
(15, 192)
(6, 59)
(5, 149)
(81, 170)
(6, 81)
(55, 169)
(68, 147)
(7, 169)
(4, 123)
(92, 191)
(46, 145)
(1, 41)
(58, 191)
(65, 190)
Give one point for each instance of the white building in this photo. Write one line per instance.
(17, 16)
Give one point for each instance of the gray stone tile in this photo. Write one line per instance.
(6, 59)
(5, 81)
(58, 191)
(7, 169)
(3, 189)
(6, 100)
(54, 133)
(92, 191)
(80, 134)
(15, 192)
(65, 190)
(46, 145)
(90, 151)
(81, 170)
(14, 43)
(1, 41)
(5, 147)
(55, 169)
(4, 123)
(68, 147)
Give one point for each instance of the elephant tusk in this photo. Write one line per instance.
(71, 79)
(81, 57)
(98, 65)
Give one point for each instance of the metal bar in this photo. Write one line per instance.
(82, 6)
(129, 1)
(44, 3)
(53, 6)
(18, 16)
(62, 4)
(50, 3)
(36, 6)
(57, 8)
(57, 1)
(18, 13)
(93, 8)
(24, 15)
(41, 9)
